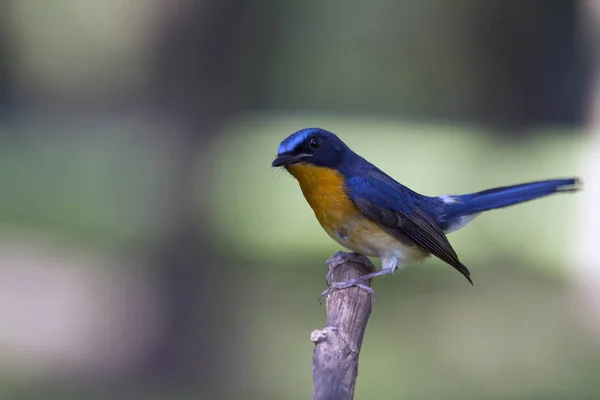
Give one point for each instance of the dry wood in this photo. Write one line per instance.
(337, 346)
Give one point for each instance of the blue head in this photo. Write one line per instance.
(313, 146)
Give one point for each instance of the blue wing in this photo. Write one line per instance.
(381, 189)
(405, 214)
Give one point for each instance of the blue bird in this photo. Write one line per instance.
(365, 210)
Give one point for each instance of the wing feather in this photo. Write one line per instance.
(417, 226)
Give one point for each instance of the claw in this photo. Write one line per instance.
(340, 257)
(347, 284)
(334, 261)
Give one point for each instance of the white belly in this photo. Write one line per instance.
(366, 237)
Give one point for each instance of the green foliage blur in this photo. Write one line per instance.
(148, 250)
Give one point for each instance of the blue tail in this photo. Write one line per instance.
(509, 195)
(457, 211)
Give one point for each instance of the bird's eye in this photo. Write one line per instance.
(314, 142)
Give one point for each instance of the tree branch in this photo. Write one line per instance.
(337, 346)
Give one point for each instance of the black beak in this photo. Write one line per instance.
(288, 159)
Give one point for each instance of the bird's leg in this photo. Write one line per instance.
(358, 283)
(389, 266)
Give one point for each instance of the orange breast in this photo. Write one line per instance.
(324, 189)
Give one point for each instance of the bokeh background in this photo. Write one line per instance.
(148, 250)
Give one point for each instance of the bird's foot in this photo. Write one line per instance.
(358, 282)
(340, 257)
(349, 283)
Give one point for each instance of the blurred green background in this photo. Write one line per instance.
(148, 250)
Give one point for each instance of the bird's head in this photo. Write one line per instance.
(313, 146)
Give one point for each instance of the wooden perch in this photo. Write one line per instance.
(337, 346)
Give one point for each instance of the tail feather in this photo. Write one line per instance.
(509, 195)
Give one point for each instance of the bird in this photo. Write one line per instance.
(368, 212)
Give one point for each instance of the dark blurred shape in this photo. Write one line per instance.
(533, 58)
(196, 60)
(506, 65)
(4, 73)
